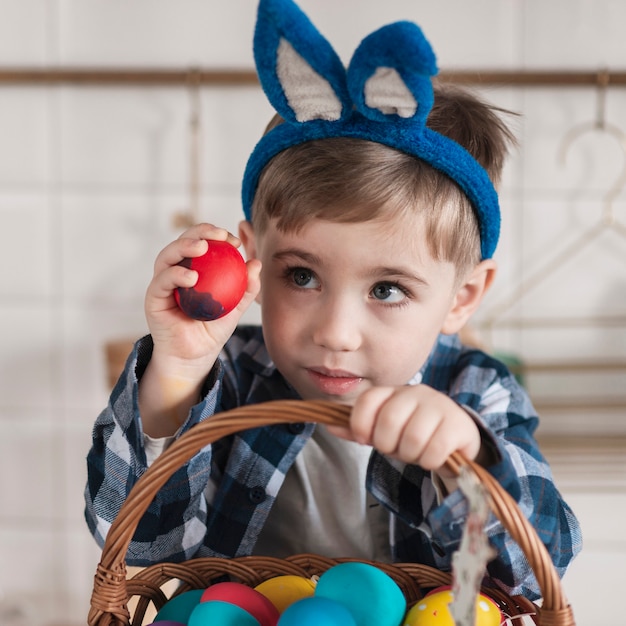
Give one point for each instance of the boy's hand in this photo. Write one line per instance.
(185, 349)
(174, 334)
(415, 424)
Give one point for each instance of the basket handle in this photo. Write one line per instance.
(110, 595)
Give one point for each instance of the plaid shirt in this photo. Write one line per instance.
(216, 504)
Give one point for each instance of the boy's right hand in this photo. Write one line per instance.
(174, 334)
(185, 349)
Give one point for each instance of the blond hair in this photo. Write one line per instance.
(348, 180)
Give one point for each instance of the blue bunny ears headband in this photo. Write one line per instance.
(385, 96)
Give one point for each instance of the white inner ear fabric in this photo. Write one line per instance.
(309, 94)
(386, 91)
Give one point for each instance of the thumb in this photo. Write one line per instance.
(254, 283)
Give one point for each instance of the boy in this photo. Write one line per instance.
(369, 238)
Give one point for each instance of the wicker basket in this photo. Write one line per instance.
(113, 592)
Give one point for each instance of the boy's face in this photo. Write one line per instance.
(346, 307)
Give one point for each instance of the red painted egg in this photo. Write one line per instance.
(244, 597)
(222, 281)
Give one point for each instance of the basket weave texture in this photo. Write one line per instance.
(113, 591)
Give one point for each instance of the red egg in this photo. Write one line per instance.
(222, 281)
(245, 597)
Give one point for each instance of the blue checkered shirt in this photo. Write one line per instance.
(217, 504)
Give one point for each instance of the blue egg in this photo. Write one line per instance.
(167, 622)
(179, 608)
(314, 611)
(221, 614)
(371, 596)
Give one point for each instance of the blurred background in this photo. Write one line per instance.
(97, 176)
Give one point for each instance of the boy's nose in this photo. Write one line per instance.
(336, 327)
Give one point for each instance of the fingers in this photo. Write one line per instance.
(209, 231)
(177, 250)
(371, 419)
(415, 424)
(428, 440)
(397, 422)
(192, 243)
(168, 275)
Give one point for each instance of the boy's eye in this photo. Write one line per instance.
(389, 293)
(303, 277)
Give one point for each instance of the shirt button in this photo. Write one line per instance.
(438, 549)
(256, 495)
(296, 429)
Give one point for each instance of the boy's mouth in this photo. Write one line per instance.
(334, 382)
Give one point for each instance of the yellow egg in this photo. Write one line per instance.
(285, 590)
(433, 610)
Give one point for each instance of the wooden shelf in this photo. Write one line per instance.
(571, 365)
(148, 76)
(579, 404)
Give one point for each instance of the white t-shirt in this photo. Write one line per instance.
(323, 506)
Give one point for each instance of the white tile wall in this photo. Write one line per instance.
(90, 179)
(596, 578)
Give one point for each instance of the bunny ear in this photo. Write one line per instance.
(300, 72)
(390, 74)
(385, 97)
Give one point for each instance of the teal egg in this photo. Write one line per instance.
(314, 611)
(372, 597)
(179, 608)
(220, 614)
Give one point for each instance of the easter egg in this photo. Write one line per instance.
(220, 614)
(316, 611)
(247, 598)
(371, 596)
(167, 622)
(179, 608)
(222, 281)
(433, 610)
(283, 591)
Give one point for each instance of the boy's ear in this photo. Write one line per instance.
(248, 240)
(469, 296)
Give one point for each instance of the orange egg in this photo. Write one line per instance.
(283, 591)
(433, 610)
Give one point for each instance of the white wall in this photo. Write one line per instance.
(91, 177)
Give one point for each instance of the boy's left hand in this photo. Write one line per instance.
(415, 424)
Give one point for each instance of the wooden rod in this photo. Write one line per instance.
(569, 366)
(583, 404)
(587, 443)
(536, 78)
(605, 321)
(233, 77)
(128, 77)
